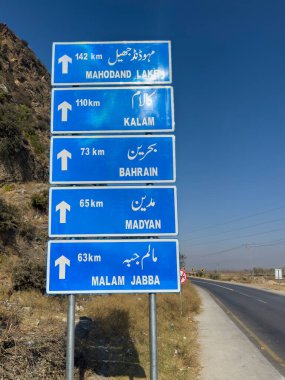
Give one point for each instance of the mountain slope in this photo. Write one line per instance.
(24, 111)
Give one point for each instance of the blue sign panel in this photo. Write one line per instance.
(121, 109)
(114, 266)
(78, 63)
(111, 159)
(112, 211)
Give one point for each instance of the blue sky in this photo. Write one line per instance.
(229, 84)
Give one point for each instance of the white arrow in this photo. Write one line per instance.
(62, 207)
(64, 155)
(62, 261)
(65, 60)
(64, 107)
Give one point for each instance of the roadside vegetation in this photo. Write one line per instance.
(112, 332)
(258, 277)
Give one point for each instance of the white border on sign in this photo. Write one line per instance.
(118, 181)
(75, 188)
(109, 43)
(112, 291)
(114, 130)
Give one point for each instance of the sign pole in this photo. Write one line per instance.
(153, 337)
(181, 302)
(70, 337)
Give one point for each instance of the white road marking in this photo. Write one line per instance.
(233, 290)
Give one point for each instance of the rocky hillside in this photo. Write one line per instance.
(24, 145)
(24, 111)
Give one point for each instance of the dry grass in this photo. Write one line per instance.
(178, 335)
(123, 320)
(31, 344)
(112, 336)
(21, 194)
(32, 338)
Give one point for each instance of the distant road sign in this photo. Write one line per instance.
(114, 266)
(112, 211)
(183, 276)
(112, 109)
(278, 274)
(79, 63)
(112, 159)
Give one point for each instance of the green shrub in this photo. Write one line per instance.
(23, 150)
(40, 201)
(24, 112)
(3, 96)
(29, 274)
(214, 276)
(35, 141)
(8, 187)
(28, 232)
(9, 222)
(10, 140)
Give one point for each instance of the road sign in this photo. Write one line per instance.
(112, 159)
(183, 276)
(79, 63)
(112, 109)
(112, 211)
(278, 274)
(114, 266)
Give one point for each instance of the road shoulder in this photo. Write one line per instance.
(280, 292)
(226, 353)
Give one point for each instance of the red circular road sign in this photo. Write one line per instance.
(183, 276)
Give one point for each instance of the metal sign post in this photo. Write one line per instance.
(153, 337)
(183, 279)
(70, 337)
(181, 302)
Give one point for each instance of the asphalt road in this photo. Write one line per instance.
(260, 314)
